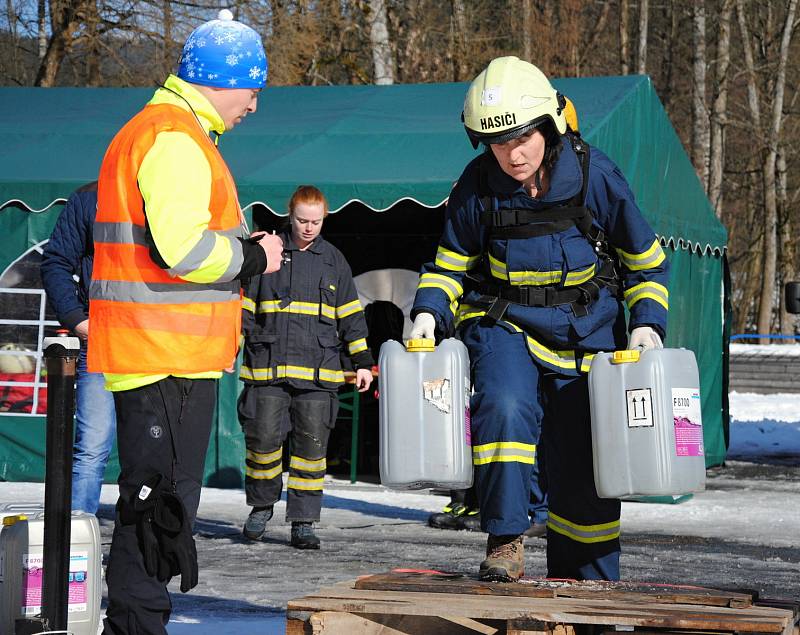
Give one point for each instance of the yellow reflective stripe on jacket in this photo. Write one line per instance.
(326, 310)
(300, 308)
(647, 290)
(497, 268)
(295, 482)
(504, 452)
(265, 459)
(583, 533)
(306, 465)
(273, 472)
(649, 259)
(534, 278)
(453, 261)
(291, 372)
(580, 276)
(248, 304)
(348, 309)
(357, 346)
(558, 359)
(452, 289)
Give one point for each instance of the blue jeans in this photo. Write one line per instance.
(95, 425)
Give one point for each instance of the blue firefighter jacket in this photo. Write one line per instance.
(564, 259)
(295, 321)
(68, 254)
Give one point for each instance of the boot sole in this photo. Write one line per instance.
(299, 546)
(497, 575)
(253, 536)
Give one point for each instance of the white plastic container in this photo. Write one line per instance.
(647, 432)
(424, 415)
(22, 555)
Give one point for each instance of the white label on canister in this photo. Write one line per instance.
(437, 392)
(688, 422)
(640, 408)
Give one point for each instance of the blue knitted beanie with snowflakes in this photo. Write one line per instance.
(224, 53)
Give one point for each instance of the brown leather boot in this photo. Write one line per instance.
(505, 559)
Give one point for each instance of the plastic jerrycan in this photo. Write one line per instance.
(424, 419)
(22, 549)
(647, 432)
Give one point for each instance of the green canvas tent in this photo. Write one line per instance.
(395, 150)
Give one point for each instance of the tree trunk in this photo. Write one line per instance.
(41, 21)
(671, 19)
(769, 167)
(719, 113)
(641, 55)
(92, 20)
(379, 40)
(460, 66)
(63, 23)
(700, 123)
(527, 30)
(623, 37)
(787, 244)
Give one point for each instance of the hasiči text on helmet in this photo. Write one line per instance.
(498, 121)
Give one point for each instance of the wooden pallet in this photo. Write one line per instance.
(438, 603)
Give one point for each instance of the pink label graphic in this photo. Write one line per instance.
(468, 425)
(688, 438)
(688, 423)
(77, 593)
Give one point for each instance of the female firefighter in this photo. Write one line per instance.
(294, 324)
(542, 241)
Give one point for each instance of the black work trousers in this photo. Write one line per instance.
(267, 414)
(162, 427)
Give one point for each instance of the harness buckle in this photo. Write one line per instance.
(549, 296)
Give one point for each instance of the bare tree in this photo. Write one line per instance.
(641, 55)
(42, 30)
(700, 122)
(623, 37)
(527, 28)
(379, 38)
(719, 110)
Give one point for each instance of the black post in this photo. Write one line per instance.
(61, 355)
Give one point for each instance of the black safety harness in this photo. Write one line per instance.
(526, 223)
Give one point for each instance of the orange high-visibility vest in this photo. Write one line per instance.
(143, 320)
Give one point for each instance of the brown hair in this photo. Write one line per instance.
(309, 195)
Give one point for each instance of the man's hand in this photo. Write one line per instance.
(423, 327)
(82, 330)
(363, 379)
(273, 247)
(644, 337)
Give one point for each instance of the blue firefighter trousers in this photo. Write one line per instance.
(515, 401)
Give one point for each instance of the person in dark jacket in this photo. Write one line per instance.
(543, 241)
(295, 323)
(66, 272)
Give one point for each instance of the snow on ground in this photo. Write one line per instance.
(745, 525)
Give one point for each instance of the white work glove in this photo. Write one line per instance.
(644, 337)
(423, 327)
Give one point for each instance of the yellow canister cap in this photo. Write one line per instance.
(10, 520)
(421, 346)
(625, 357)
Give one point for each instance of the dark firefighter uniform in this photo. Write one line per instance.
(532, 307)
(296, 322)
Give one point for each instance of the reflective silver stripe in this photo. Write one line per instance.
(196, 256)
(248, 305)
(356, 346)
(504, 452)
(583, 533)
(647, 290)
(299, 308)
(307, 465)
(291, 372)
(265, 459)
(163, 293)
(648, 259)
(452, 289)
(271, 473)
(454, 261)
(580, 276)
(123, 232)
(295, 482)
(348, 309)
(497, 268)
(255, 374)
(332, 376)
